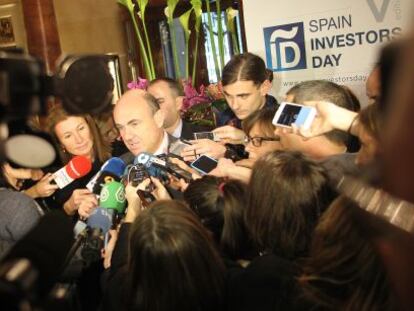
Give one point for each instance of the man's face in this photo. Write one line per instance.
(140, 128)
(244, 97)
(169, 103)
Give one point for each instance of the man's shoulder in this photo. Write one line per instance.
(227, 117)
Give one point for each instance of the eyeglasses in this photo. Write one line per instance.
(257, 141)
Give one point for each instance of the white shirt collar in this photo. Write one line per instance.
(178, 129)
(163, 148)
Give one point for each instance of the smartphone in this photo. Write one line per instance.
(204, 164)
(137, 174)
(178, 146)
(146, 197)
(206, 135)
(289, 113)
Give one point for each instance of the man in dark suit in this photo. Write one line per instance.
(169, 95)
(140, 120)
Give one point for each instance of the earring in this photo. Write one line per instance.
(63, 149)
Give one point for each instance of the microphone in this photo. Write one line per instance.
(112, 170)
(111, 203)
(33, 265)
(77, 167)
(159, 168)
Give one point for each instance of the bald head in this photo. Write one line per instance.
(138, 97)
(139, 121)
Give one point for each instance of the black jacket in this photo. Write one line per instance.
(268, 283)
(189, 129)
(227, 117)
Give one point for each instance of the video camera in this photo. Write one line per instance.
(83, 84)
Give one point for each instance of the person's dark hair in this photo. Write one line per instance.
(389, 63)
(263, 118)
(356, 104)
(371, 120)
(173, 264)
(288, 193)
(269, 74)
(353, 144)
(244, 67)
(344, 271)
(220, 206)
(322, 90)
(174, 85)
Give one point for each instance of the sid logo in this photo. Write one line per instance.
(285, 47)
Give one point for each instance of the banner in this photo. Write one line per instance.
(336, 40)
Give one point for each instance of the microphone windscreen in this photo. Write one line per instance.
(115, 166)
(101, 218)
(112, 196)
(104, 178)
(78, 167)
(46, 247)
(143, 158)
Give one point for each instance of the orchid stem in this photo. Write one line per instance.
(220, 34)
(213, 44)
(142, 48)
(149, 49)
(195, 55)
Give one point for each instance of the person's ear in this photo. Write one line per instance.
(159, 118)
(179, 102)
(265, 87)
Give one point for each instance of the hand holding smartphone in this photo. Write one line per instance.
(204, 164)
(206, 135)
(290, 113)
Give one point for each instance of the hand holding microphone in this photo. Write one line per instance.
(134, 201)
(80, 197)
(88, 202)
(111, 203)
(43, 188)
(160, 192)
(77, 167)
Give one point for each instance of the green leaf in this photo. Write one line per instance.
(128, 4)
(198, 11)
(184, 21)
(169, 12)
(142, 4)
(171, 4)
(231, 14)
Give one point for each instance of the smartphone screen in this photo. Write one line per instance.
(205, 135)
(204, 164)
(178, 146)
(292, 113)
